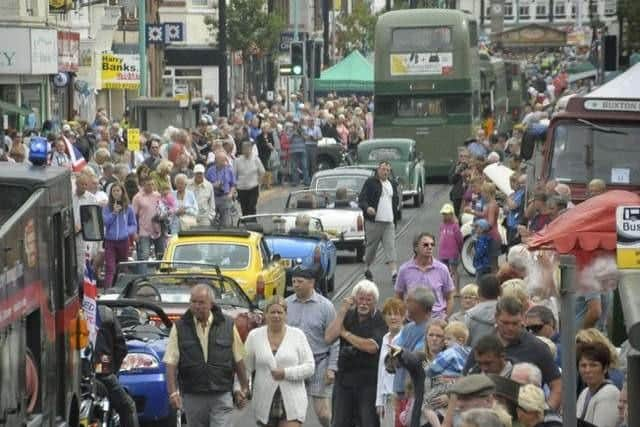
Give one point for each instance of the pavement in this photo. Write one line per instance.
(348, 273)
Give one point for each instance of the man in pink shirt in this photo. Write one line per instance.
(145, 205)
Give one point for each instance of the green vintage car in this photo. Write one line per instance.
(407, 164)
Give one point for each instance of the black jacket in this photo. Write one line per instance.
(111, 347)
(370, 196)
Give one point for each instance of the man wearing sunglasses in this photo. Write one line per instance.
(540, 321)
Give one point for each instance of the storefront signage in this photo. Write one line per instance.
(628, 227)
(60, 6)
(421, 64)
(120, 71)
(28, 51)
(68, 51)
(133, 139)
(612, 105)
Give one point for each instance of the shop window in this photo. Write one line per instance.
(524, 12)
(508, 11)
(541, 11)
(560, 10)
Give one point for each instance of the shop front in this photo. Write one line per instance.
(28, 56)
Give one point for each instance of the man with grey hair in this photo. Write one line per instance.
(481, 417)
(360, 327)
(526, 373)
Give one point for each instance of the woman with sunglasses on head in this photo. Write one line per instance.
(120, 225)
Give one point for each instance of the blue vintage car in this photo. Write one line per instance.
(297, 240)
(147, 298)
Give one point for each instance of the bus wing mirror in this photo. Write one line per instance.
(92, 223)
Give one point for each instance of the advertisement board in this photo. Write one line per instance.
(421, 64)
(120, 71)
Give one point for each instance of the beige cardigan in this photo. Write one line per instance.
(602, 410)
(295, 356)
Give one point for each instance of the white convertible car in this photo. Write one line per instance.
(341, 217)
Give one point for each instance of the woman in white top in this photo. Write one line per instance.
(248, 170)
(393, 311)
(282, 359)
(597, 403)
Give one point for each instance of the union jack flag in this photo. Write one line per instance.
(90, 302)
(77, 159)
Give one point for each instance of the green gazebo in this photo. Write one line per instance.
(354, 74)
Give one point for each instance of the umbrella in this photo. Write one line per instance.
(588, 228)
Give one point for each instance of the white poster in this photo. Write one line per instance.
(421, 64)
(44, 51)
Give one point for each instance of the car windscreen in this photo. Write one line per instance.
(179, 292)
(350, 182)
(614, 150)
(228, 256)
(385, 153)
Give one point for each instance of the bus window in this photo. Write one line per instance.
(459, 104)
(420, 107)
(384, 105)
(421, 39)
(473, 33)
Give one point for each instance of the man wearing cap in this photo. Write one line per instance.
(203, 191)
(313, 313)
(469, 392)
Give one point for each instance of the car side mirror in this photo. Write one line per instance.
(92, 223)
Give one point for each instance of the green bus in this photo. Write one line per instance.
(493, 91)
(427, 81)
(516, 88)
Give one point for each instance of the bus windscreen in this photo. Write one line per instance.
(421, 39)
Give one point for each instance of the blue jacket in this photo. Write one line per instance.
(120, 226)
(481, 260)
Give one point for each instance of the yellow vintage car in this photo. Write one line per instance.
(240, 254)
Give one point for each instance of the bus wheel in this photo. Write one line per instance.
(468, 251)
(32, 381)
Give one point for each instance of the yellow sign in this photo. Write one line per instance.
(133, 139)
(120, 71)
(628, 228)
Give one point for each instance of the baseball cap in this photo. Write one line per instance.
(198, 168)
(307, 272)
(447, 208)
(482, 224)
(66, 127)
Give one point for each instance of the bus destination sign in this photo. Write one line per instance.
(631, 106)
(628, 230)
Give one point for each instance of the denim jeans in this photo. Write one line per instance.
(143, 247)
(299, 162)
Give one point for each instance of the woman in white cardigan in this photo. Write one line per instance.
(281, 358)
(598, 402)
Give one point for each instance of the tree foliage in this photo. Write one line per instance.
(356, 30)
(629, 10)
(250, 29)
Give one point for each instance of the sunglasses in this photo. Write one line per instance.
(428, 245)
(534, 329)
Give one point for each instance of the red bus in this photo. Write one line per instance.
(598, 136)
(39, 301)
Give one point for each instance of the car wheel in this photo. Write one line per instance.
(468, 251)
(360, 253)
(418, 199)
(324, 164)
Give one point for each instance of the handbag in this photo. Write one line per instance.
(274, 160)
(187, 222)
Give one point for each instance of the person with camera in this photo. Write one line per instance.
(457, 181)
(360, 326)
(298, 154)
(110, 351)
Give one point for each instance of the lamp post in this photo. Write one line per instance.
(142, 45)
(223, 102)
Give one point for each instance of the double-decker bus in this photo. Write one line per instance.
(39, 302)
(516, 82)
(427, 81)
(493, 91)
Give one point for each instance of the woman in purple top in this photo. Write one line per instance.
(450, 239)
(120, 226)
(424, 271)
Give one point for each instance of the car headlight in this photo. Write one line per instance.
(298, 260)
(135, 361)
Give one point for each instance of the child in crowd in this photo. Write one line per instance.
(468, 299)
(165, 209)
(481, 257)
(450, 242)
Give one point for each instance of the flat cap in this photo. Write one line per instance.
(476, 384)
(306, 271)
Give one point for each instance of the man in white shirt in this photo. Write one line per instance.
(379, 201)
(203, 191)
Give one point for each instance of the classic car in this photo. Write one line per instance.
(147, 297)
(407, 164)
(241, 254)
(342, 219)
(298, 242)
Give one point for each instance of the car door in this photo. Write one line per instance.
(272, 271)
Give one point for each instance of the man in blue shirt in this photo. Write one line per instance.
(221, 176)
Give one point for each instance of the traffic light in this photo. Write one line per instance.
(317, 63)
(297, 58)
